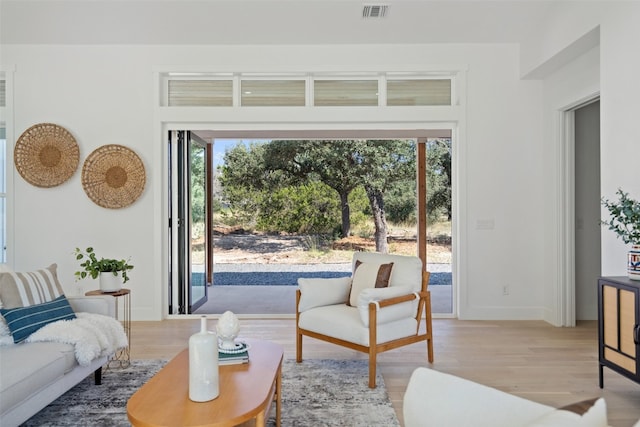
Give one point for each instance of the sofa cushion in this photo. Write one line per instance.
(28, 367)
(595, 416)
(436, 399)
(23, 321)
(25, 289)
(368, 275)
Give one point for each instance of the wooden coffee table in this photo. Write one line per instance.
(246, 392)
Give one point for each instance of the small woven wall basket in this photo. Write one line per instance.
(46, 155)
(113, 176)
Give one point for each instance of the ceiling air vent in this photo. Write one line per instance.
(374, 11)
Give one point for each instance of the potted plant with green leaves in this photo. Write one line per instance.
(113, 273)
(624, 220)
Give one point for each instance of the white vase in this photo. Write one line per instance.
(203, 364)
(110, 282)
(633, 262)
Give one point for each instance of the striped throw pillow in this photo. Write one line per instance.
(25, 289)
(23, 321)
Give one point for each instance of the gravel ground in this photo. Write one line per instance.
(288, 274)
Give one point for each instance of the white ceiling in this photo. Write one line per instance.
(267, 21)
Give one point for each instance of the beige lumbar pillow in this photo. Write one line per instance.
(367, 275)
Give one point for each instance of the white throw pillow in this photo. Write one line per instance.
(387, 314)
(368, 275)
(596, 416)
(315, 292)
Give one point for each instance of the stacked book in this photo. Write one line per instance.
(235, 357)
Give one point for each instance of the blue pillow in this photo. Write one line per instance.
(23, 321)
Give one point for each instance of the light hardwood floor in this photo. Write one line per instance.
(532, 359)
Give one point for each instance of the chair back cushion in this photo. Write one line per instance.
(367, 276)
(406, 271)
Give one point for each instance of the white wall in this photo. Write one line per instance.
(574, 83)
(620, 133)
(610, 70)
(104, 94)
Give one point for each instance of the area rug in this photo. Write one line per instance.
(314, 393)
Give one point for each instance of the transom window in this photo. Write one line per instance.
(299, 90)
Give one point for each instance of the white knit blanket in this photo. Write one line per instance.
(92, 335)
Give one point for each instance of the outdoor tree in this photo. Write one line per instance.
(346, 164)
(241, 177)
(332, 162)
(384, 162)
(439, 178)
(197, 185)
(281, 183)
(273, 199)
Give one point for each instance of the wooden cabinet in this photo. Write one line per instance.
(619, 326)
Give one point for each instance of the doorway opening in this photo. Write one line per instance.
(587, 209)
(579, 211)
(254, 248)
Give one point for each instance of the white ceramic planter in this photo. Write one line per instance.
(110, 282)
(633, 263)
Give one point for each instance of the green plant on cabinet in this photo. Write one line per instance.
(92, 266)
(624, 217)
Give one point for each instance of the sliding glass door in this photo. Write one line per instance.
(191, 241)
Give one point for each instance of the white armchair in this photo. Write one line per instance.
(353, 313)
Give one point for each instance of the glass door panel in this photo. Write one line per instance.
(198, 223)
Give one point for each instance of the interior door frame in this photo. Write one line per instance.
(566, 279)
(420, 136)
(409, 130)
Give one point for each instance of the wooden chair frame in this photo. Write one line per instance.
(424, 306)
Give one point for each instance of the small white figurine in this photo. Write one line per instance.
(227, 328)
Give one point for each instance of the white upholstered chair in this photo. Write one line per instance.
(351, 312)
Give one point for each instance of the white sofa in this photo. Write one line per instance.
(441, 400)
(32, 375)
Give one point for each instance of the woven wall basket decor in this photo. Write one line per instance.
(113, 176)
(46, 155)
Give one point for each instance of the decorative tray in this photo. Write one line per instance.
(240, 347)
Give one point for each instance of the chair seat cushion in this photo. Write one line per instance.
(343, 322)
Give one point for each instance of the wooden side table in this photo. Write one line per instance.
(122, 358)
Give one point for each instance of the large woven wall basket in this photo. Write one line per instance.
(46, 155)
(113, 176)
